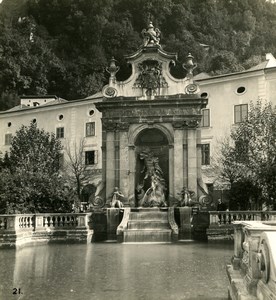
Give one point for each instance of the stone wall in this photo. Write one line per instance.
(252, 274)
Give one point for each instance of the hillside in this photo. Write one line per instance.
(62, 47)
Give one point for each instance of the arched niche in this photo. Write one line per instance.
(155, 141)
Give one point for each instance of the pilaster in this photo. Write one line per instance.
(178, 161)
(110, 164)
(124, 163)
(192, 160)
(131, 176)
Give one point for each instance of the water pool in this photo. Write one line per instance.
(115, 271)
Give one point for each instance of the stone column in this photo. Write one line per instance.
(185, 159)
(192, 160)
(110, 164)
(117, 158)
(171, 172)
(124, 163)
(178, 161)
(198, 150)
(104, 159)
(131, 176)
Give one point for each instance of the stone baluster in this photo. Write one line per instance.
(45, 221)
(50, 221)
(73, 220)
(67, 221)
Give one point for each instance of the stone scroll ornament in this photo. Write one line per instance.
(264, 261)
(150, 77)
(191, 89)
(154, 196)
(110, 92)
(98, 201)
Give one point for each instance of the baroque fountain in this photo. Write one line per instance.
(151, 146)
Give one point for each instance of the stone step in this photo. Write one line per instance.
(148, 224)
(148, 215)
(147, 235)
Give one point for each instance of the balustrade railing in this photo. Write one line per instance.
(57, 220)
(43, 221)
(228, 217)
(25, 221)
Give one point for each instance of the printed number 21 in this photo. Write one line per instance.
(16, 291)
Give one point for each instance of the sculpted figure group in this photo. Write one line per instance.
(154, 195)
(151, 36)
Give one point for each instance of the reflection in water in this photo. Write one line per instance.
(115, 271)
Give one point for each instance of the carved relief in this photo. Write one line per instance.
(153, 112)
(150, 77)
(193, 123)
(111, 125)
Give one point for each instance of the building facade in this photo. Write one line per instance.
(228, 97)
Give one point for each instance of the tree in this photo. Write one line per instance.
(250, 156)
(78, 172)
(32, 181)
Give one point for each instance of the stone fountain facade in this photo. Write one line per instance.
(151, 130)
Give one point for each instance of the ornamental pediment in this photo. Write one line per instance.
(151, 75)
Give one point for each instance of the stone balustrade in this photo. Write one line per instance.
(228, 217)
(252, 273)
(24, 228)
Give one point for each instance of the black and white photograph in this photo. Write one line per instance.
(137, 149)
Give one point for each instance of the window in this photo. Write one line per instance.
(90, 129)
(91, 157)
(8, 138)
(240, 113)
(241, 90)
(205, 121)
(91, 112)
(60, 132)
(205, 152)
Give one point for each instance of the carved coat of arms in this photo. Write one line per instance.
(150, 77)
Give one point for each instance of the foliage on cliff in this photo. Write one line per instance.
(62, 47)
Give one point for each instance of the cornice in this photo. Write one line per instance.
(152, 49)
(51, 107)
(230, 77)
